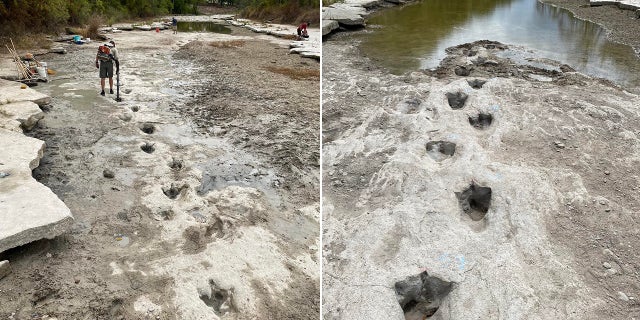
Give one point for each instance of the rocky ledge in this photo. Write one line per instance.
(623, 4)
(29, 210)
(309, 48)
(350, 13)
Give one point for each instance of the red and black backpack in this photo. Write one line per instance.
(104, 53)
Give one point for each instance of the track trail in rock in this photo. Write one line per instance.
(156, 238)
(472, 172)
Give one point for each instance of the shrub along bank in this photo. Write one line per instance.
(35, 16)
(277, 11)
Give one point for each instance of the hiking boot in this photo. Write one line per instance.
(111, 91)
(102, 93)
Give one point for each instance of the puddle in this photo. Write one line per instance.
(416, 36)
(72, 93)
(226, 171)
(186, 26)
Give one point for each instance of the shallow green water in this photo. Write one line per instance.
(415, 36)
(185, 26)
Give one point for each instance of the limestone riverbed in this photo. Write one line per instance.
(484, 188)
(196, 197)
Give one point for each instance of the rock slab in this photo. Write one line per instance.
(29, 211)
(5, 268)
(345, 15)
(20, 115)
(623, 4)
(10, 91)
(328, 26)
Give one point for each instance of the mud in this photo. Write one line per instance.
(146, 244)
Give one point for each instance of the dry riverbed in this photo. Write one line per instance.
(194, 198)
(507, 189)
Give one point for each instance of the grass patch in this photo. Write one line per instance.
(296, 74)
(25, 42)
(227, 44)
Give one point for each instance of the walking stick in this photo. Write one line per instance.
(118, 81)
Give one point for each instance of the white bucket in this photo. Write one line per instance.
(42, 71)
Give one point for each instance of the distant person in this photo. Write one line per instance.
(174, 25)
(302, 30)
(105, 57)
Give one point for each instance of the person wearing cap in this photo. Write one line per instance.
(107, 53)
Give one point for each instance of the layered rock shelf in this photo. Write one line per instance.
(350, 14)
(29, 211)
(309, 48)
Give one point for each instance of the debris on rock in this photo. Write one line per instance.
(108, 174)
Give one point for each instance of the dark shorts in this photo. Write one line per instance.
(106, 69)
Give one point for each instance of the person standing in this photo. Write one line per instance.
(107, 53)
(174, 25)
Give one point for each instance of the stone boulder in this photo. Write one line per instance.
(329, 26)
(25, 113)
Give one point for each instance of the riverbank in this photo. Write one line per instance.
(622, 25)
(408, 161)
(196, 165)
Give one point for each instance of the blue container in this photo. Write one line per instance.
(76, 38)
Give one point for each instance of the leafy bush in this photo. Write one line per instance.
(33, 16)
(282, 11)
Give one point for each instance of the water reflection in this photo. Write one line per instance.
(186, 26)
(415, 36)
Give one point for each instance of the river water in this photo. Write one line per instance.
(415, 36)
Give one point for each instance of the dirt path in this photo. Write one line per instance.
(216, 218)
